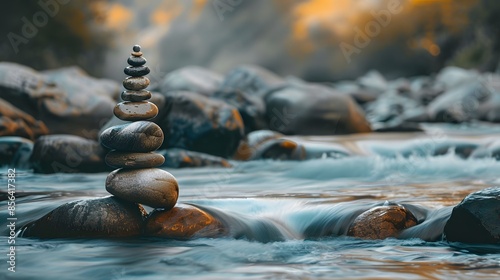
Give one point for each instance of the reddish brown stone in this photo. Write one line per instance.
(382, 222)
(183, 222)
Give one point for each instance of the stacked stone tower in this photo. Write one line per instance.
(133, 144)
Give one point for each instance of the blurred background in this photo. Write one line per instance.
(317, 40)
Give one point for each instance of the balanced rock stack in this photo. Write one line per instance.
(132, 144)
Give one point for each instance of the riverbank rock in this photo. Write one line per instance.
(197, 123)
(100, 217)
(15, 152)
(252, 79)
(247, 147)
(191, 78)
(150, 186)
(183, 222)
(67, 154)
(250, 107)
(382, 222)
(313, 110)
(14, 122)
(476, 219)
(179, 158)
(67, 100)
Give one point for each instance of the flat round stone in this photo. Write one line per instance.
(133, 160)
(136, 61)
(151, 186)
(141, 136)
(135, 111)
(136, 83)
(132, 95)
(136, 71)
(136, 54)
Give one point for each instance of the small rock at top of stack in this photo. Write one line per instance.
(133, 144)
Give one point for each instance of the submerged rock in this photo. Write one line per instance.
(101, 217)
(382, 222)
(15, 152)
(279, 149)
(191, 78)
(254, 139)
(67, 154)
(314, 110)
(179, 158)
(197, 123)
(476, 219)
(151, 186)
(183, 222)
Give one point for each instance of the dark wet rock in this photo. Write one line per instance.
(401, 127)
(476, 219)
(136, 71)
(197, 123)
(179, 158)
(67, 154)
(135, 111)
(136, 83)
(382, 222)
(254, 139)
(107, 217)
(279, 149)
(140, 136)
(14, 122)
(15, 152)
(152, 186)
(251, 107)
(136, 61)
(141, 95)
(133, 160)
(67, 100)
(251, 79)
(314, 110)
(136, 48)
(191, 78)
(183, 222)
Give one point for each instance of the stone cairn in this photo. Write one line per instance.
(132, 144)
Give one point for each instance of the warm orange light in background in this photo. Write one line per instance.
(118, 16)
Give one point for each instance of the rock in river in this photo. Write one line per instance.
(382, 222)
(153, 187)
(68, 154)
(183, 222)
(476, 219)
(99, 217)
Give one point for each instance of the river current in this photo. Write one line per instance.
(288, 218)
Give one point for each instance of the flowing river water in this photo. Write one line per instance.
(289, 217)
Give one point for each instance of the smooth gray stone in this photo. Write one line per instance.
(133, 160)
(141, 136)
(132, 95)
(136, 71)
(152, 186)
(136, 61)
